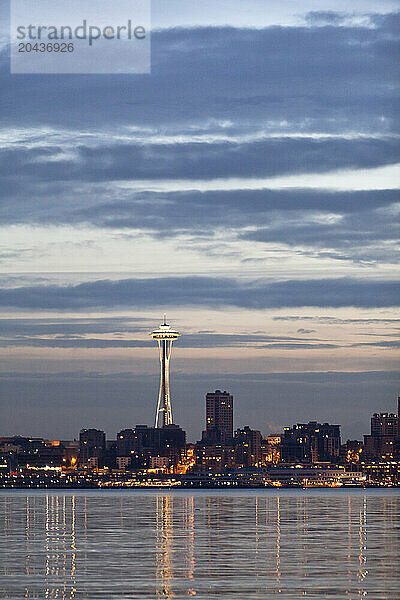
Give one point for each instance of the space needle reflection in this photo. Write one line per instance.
(164, 541)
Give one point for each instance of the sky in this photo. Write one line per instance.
(248, 187)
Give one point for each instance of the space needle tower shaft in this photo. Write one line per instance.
(165, 337)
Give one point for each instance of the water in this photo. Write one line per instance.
(206, 544)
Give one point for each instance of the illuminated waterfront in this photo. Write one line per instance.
(244, 544)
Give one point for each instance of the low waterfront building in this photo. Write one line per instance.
(313, 475)
(382, 472)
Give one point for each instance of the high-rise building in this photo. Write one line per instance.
(384, 440)
(311, 442)
(150, 438)
(248, 447)
(214, 457)
(164, 336)
(126, 442)
(172, 436)
(384, 424)
(92, 444)
(219, 417)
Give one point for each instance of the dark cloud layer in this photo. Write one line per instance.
(189, 341)
(362, 232)
(196, 160)
(44, 326)
(204, 291)
(177, 211)
(59, 405)
(337, 321)
(305, 73)
(364, 227)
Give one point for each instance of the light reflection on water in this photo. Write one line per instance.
(245, 544)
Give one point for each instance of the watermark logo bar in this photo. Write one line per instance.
(80, 36)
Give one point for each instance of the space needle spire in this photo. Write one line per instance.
(164, 336)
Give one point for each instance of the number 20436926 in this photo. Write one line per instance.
(62, 47)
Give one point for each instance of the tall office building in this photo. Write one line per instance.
(384, 424)
(384, 440)
(219, 417)
(248, 447)
(92, 444)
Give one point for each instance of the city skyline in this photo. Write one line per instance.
(302, 455)
(248, 187)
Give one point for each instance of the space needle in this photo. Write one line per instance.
(165, 337)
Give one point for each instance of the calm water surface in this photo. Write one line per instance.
(207, 544)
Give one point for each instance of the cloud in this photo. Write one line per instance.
(43, 334)
(29, 327)
(204, 291)
(78, 333)
(302, 346)
(383, 344)
(73, 342)
(367, 234)
(313, 75)
(318, 18)
(125, 160)
(305, 331)
(337, 321)
(351, 226)
(183, 211)
(258, 104)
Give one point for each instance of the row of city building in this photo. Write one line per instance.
(222, 456)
